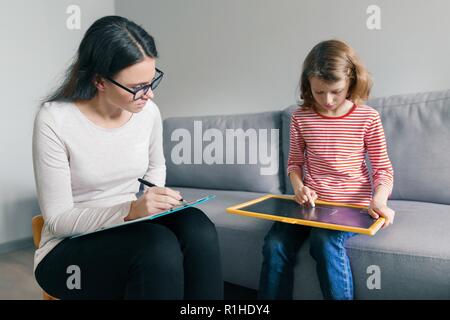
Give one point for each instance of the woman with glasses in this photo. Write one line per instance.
(93, 138)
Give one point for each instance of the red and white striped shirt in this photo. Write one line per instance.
(331, 150)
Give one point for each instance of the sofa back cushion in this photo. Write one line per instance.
(230, 152)
(285, 136)
(417, 130)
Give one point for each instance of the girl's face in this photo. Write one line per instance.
(329, 96)
(132, 77)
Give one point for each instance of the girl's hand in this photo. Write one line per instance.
(154, 200)
(376, 210)
(304, 194)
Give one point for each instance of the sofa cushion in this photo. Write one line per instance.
(417, 130)
(232, 152)
(413, 255)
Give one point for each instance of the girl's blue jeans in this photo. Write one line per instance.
(281, 245)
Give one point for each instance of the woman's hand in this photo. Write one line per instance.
(304, 194)
(380, 209)
(154, 200)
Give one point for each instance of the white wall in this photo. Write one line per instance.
(235, 56)
(35, 48)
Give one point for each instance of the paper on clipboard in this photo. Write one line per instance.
(151, 217)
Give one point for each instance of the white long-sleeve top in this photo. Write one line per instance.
(86, 175)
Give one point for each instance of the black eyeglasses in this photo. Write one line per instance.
(142, 90)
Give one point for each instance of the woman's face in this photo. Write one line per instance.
(329, 96)
(132, 77)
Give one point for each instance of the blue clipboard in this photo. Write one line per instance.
(154, 216)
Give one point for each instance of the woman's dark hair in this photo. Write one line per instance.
(111, 44)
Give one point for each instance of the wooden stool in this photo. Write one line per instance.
(37, 223)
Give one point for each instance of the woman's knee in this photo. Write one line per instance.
(155, 245)
(200, 226)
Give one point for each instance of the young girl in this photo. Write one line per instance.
(93, 138)
(329, 136)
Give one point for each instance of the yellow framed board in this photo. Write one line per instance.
(327, 215)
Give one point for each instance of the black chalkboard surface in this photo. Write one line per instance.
(336, 216)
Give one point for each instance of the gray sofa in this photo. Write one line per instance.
(413, 255)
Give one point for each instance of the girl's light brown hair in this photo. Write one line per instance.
(331, 61)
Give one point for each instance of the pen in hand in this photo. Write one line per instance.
(149, 184)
